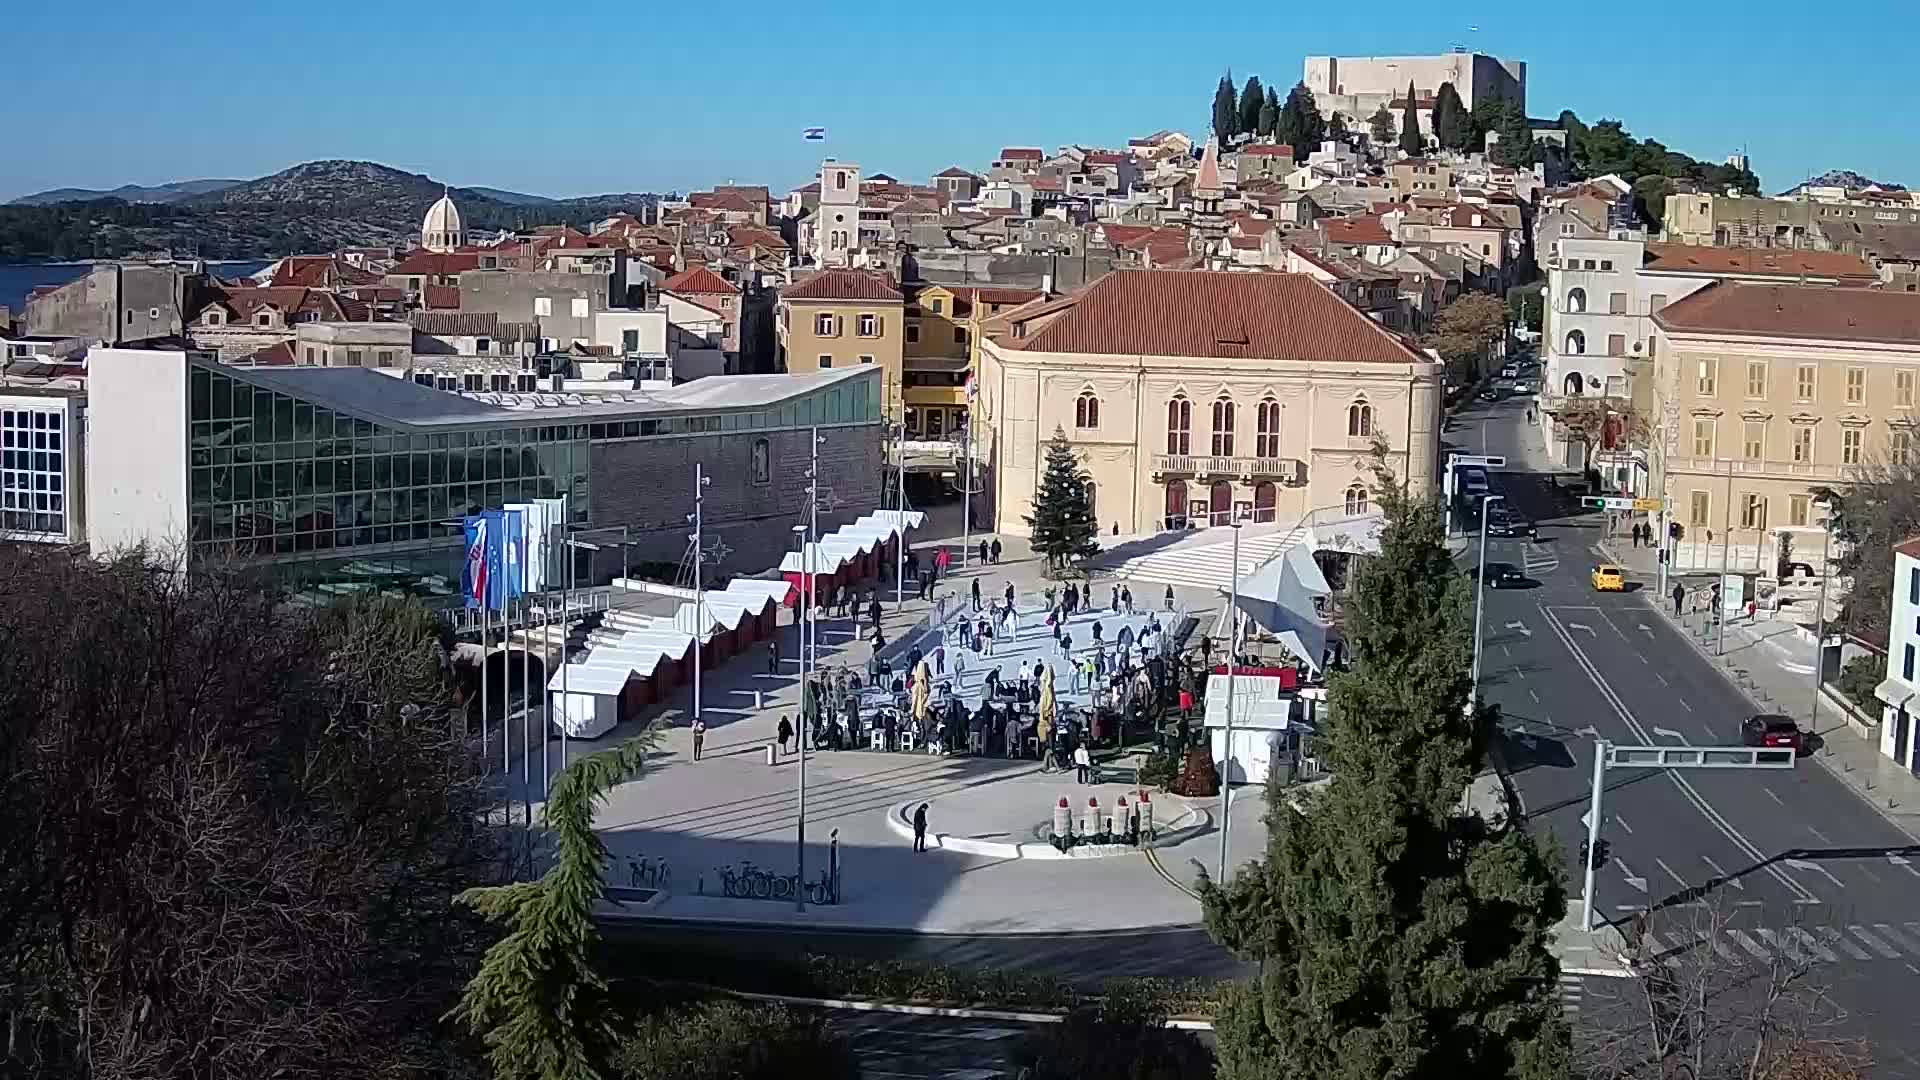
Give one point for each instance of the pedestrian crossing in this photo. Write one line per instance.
(1207, 565)
(1538, 559)
(1572, 989)
(1858, 943)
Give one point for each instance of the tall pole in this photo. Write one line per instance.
(699, 586)
(1820, 627)
(966, 493)
(808, 564)
(546, 642)
(899, 525)
(1593, 833)
(566, 635)
(1726, 545)
(1480, 598)
(526, 716)
(484, 621)
(1233, 657)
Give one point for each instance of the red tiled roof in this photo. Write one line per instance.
(1910, 548)
(1267, 150)
(1244, 243)
(243, 302)
(441, 297)
(320, 272)
(1228, 316)
(1122, 235)
(699, 281)
(1044, 183)
(1366, 229)
(724, 200)
(1106, 157)
(1021, 153)
(844, 285)
(739, 236)
(435, 263)
(1786, 262)
(955, 170)
(278, 354)
(1824, 312)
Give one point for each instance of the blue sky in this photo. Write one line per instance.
(587, 96)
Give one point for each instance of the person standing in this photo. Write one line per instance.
(773, 656)
(983, 553)
(1126, 598)
(1082, 761)
(920, 828)
(1009, 596)
(873, 609)
(699, 736)
(994, 550)
(976, 594)
(786, 732)
(1116, 598)
(1169, 598)
(1679, 597)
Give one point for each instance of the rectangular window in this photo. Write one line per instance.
(1617, 303)
(868, 326)
(1703, 383)
(1753, 511)
(1616, 344)
(543, 305)
(630, 341)
(866, 359)
(1903, 388)
(1698, 504)
(1756, 439)
(1703, 438)
(483, 346)
(938, 305)
(581, 309)
(1803, 443)
(1899, 447)
(353, 358)
(1856, 385)
(1804, 382)
(1656, 302)
(913, 335)
(384, 358)
(1850, 446)
(1913, 586)
(1797, 509)
(1756, 379)
(1906, 664)
(826, 361)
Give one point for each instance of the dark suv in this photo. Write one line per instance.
(1504, 522)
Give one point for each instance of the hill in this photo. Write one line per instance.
(133, 193)
(514, 198)
(314, 206)
(1845, 178)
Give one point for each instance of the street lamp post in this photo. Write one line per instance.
(1480, 596)
(1233, 657)
(808, 566)
(899, 523)
(700, 482)
(1820, 615)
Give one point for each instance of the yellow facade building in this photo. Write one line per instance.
(944, 323)
(845, 318)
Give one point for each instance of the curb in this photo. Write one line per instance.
(898, 823)
(868, 930)
(1599, 973)
(1153, 860)
(957, 1012)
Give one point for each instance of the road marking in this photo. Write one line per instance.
(1639, 883)
(1580, 626)
(1662, 678)
(1906, 943)
(1901, 862)
(1772, 796)
(1692, 794)
(1622, 822)
(1840, 941)
(1645, 629)
(1749, 944)
(1875, 943)
(1519, 672)
(1818, 835)
(1807, 864)
(1671, 872)
(1506, 652)
(1723, 875)
(1811, 945)
(1683, 703)
(1531, 694)
(1520, 626)
(1669, 733)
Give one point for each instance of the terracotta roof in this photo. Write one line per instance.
(1910, 548)
(1823, 312)
(1267, 150)
(1204, 313)
(844, 285)
(1106, 157)
(441, 297)
(472, 324)
(1044, 183)
(435, 263)
(724, 200)
(1366, 229)
(289, 300)
(955, 170)
(699, 281)
(1020, 153)
(1786, 262)
(278, 354)
(1244, 243)
(1122, 235)
(320, 271)
(1208, 178)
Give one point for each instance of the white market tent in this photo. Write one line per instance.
(1279, 597)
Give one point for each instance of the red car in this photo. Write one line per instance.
(1771, 730)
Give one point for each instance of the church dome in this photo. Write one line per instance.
(441, 230)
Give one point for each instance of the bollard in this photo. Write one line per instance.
(1119, 826)
(1090, 822)
(759, 700)
(1062, 824)
(771, 751)
(1146, 815)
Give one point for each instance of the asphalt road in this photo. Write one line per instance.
(1791, 862)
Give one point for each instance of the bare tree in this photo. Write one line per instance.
(234, 828)
(1705, 1007)
(1601, 423)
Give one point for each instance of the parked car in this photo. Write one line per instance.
(1771, 730)
(1609, 578)
(1525, 386)
(1511, 371)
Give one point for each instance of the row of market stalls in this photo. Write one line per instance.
(644, 646)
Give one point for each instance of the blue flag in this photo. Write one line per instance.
(514, 541)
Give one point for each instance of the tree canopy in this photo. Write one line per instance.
(1380, 127)
(1300, 125)
(1396, 934)
(1468, 327)
(1226, 109)
(1269, 113)
(1252, 97)
(1608, 147)
(1452, 124)
(1411, 142)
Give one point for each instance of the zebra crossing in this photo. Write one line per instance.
(1858, 943)
(1538, 559)
(1572, 989)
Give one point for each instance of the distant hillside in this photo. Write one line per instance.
(1845, 178)
(513, 198)
(133, 193)
(315, 206)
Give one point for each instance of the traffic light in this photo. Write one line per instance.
(1594, 858)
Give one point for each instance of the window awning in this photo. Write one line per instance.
(1894, 692)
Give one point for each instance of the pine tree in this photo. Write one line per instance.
(1452, 123)
(1269, 113)
(1337, 126)
(1380, 127)
(1226, 113)
(1251, 98)
(1062, 522)
(1411, 143)
(1396, 936)
(1515, 146)
(1313, 126)
(538, 1001)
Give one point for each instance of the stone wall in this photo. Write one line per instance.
(647, 484)
(958, 267)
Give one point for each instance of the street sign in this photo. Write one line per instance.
(1649, 504)
(1700, 757)
(1490, 461)
(1607, 502)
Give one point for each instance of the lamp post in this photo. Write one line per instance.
(1233, 657)
(1480, 596)
(809, 565)
(1820, 613)
(700, 482)
(899, 522)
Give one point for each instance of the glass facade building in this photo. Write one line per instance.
(33, 471)
(340, 498)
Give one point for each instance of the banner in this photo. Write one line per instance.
(514, 544)
(474, 573)
(533, 546)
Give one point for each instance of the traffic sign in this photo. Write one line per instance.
(1607, 502)
(1491, 461)
(1649, 504)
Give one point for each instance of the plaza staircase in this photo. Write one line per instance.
(1206, 560)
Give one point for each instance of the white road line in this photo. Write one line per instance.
(1662, 678)
(1874, 943)
(1714, 817)
(1905, 943)
(1722, 874)
(1818, 835)
(1622, 822)
(1520, 673)
(1671, 872)
(1506, 652)
(1840, 941)
(1811, 945)
(1808, 864)
(1772, 796)
(1683, 703)
(1749, 944)
(1534, 696)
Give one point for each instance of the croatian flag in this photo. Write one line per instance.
(477, 568)
(973, 388)
(814, 134)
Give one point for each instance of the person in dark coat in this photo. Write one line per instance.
(786, 732)
(976, 594)
(1679, 596)
(983, 553)
(994, 550)
(773, 656)
(920, 828)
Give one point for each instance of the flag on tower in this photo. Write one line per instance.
(814, 134)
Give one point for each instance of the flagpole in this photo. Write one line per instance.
(483, 676)
(546, 658)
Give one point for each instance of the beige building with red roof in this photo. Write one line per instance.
(1763, 394)
(1190, 393)
(844, 318)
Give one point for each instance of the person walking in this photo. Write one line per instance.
(994, 550)
(1679, 597)
(773, 656)
(1126, 599)
(1116, 598)
(1169, 598)
(976, 594)
(873, 609)
(1009, 596)
(699, 736)
(1082, 762)
(786, 732)
(920, 828)
(1066, 645)
(983, 553)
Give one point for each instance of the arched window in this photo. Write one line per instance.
(1093, 503)
(1359, 420)
(1574, 384)
(1220, 503)
(1086, 411)
(1266, 439)
(1179, 426)
(1356, 500)
(1576, 343)
(1577, 300)
(1223, 428)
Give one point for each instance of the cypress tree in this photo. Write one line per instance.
(1062, 518)
(1396, 935)
(1452, 123)
(1251, 98)
(1411, 143)
(1270, 113)
(1226, 114)
(1337, 126)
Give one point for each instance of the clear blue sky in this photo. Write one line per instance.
(585, 96)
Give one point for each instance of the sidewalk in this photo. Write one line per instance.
(1771, 663)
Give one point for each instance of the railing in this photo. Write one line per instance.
(1291, 470)
(1798, 469)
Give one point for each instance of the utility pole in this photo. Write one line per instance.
(1480, 597)
(899, 523)
(700, 482)
(808, 566)
(1233, 661)
(1726, 545)
(1820, 617)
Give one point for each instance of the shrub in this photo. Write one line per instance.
(1858, 678)
(1199, 778)
(1124, 1036)
(733, 1040)
(1159, 769)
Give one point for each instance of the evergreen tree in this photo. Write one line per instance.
(1337, 126)
(1380, 127)
(1411, 142)
(1452, 123)
(1226, 114)
(1396, 935)
(1251, 98)
(1269, 113)
(1062, 518)
(1515, 145)
(1301, 120)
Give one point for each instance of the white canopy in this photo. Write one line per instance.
(1278, 597)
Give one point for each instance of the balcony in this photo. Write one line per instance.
(1783, 470)
(1289, 471)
